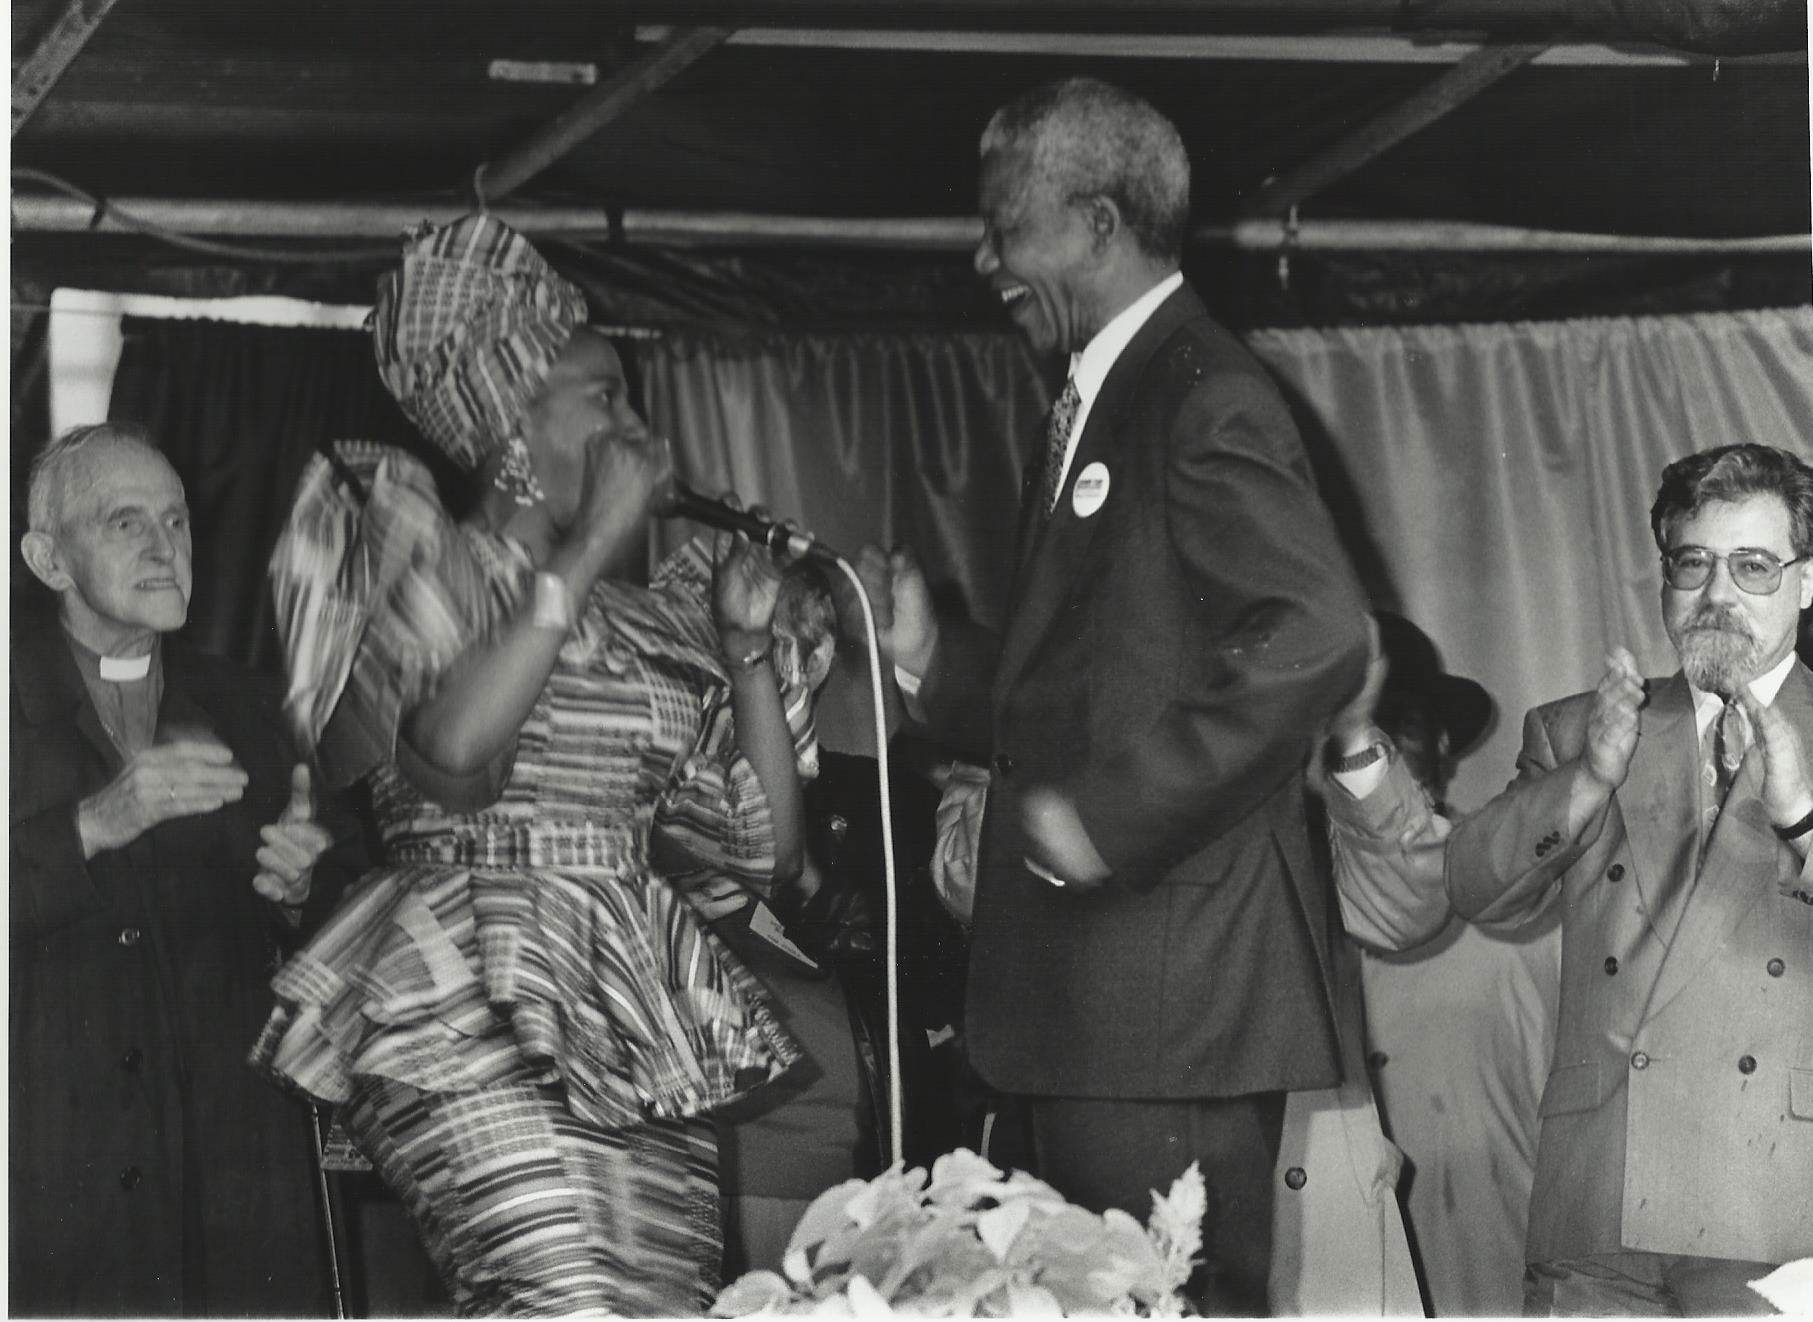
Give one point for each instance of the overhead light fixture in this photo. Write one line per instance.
(567, 73)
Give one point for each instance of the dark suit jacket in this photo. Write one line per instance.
(151, 1170)
(1168, 660)
(1678, 1115)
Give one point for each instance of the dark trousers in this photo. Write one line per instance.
(1103, 1153)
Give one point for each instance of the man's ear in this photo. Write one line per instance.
(818, 664)
(1103, 214)
(39, 551)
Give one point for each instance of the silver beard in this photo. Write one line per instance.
(1718, 651)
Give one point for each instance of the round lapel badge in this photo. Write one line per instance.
(1091, 490)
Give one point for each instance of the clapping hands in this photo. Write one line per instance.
(1787, 792)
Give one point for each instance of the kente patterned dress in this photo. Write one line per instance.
(530, 943)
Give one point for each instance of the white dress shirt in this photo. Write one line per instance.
(1091, 367)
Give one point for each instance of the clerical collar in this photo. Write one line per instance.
(114, 669)
(125, 669)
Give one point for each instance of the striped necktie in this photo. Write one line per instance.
(1057, 441)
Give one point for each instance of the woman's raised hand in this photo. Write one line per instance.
(619, 481)
(746, 584)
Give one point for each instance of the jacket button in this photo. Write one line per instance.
(1611, 964)
(1004, 764)
(1776, 968)
(129, 1178)
(132, 1060)
(130, 936)
(1377, 1060)
(1639, 1061)
(1746, 1064)
(1295, 1178)
(1615, 872)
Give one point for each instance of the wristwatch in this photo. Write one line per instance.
(1797, 829)
(1359, 761)
(743, 664)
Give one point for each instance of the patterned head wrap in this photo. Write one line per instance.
(466, 330)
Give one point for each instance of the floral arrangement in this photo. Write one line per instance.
(973, 1241)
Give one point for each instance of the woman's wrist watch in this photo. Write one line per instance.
(741, 663)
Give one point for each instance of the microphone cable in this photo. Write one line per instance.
(681, 501)
(896, 1124)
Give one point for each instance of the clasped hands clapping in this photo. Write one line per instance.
(1611, 738)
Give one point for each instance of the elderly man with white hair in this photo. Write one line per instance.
(162, 844)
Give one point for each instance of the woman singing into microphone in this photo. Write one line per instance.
(521, 1022)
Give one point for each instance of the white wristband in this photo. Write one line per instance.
(553, 605)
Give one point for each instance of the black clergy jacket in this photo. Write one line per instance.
(152, 1171)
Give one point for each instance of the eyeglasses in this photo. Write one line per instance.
(1757, 572)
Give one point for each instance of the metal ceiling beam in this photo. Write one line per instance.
(594, 110)
(1285, 48)
(1422, 108)
(1717, 27)
(368, 220)
(56, 51)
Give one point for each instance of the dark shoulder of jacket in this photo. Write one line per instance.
(45, 685)
(1201, 347)
(1203, 355)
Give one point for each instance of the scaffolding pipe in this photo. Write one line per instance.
(643, 76)
(56, 50)
(1373, 139)
(40, 214)
(1712, 27)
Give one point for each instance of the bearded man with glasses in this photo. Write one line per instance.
(1671, 820)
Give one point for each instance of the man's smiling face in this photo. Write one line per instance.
(1036, 251)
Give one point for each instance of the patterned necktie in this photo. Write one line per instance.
(1057, 440)
(1729, 741)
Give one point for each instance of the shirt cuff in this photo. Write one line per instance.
(909, 682)
(1359, 784)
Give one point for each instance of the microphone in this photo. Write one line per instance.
(675, 500)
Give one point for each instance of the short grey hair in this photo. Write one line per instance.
(47, 489)
(1734, 473)
(1090, 138)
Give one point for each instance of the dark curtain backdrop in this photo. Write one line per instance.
(865, 438)
(1493, 481)
(239, 409)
